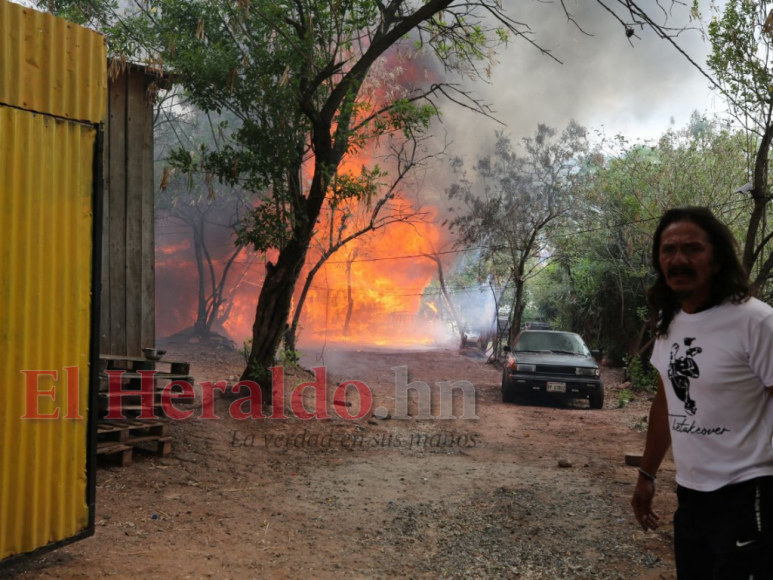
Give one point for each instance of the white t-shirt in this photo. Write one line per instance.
(715, 365)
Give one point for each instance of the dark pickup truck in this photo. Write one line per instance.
(552, 363)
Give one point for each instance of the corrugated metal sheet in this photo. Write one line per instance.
(46, 224)
(51, 66)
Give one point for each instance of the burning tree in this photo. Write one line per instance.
(294, 73)
(191, 206)
(350, 220)
(205, 208)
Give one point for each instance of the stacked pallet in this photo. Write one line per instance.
(117, 440)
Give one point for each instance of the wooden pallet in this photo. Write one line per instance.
(116, 451)
(132, 364)
(131, 403)
(122, 438)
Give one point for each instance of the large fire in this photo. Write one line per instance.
(369, 292)
(366, 296)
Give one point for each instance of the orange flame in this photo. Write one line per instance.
(360, 295)
(374, 299)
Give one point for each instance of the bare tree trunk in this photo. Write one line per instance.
(272, 312)
(275, 301)
(216, 300)
(200, 326)
(450, 304)
(229, 300)
(292, 332)
(350, 302)
(760, 194)
(518, 307)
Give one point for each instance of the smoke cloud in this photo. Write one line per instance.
(604, 82)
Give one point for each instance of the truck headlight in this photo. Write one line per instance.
(587, 372)
(524, 368)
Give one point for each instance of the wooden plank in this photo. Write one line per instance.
(117, 218)
(110, 447)
(120, 357)
(159, 376)
(104, 313)
(123, 453)
(138, 407)
(136, 117)
(114, 426)
(146, 438)
(148, 282)
(120, 424)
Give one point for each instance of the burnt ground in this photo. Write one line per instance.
(463, 498)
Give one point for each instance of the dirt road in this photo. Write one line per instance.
(480, 498)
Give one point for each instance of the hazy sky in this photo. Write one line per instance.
(603, 81)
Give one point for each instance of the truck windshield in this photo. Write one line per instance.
(559, 342)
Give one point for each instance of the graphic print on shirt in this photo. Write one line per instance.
(681, 370)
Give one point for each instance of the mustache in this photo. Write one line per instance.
(681, 271)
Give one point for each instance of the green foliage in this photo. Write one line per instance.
(739, 53)
(640, 424)
(624, 397)
(289, 358)
(87, 13)
(246, 349)
(257, 371)
(642, 375)
(602, 258)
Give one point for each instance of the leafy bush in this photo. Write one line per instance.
(246, 348)
(624, 398)
(643, 376)
(289, 358)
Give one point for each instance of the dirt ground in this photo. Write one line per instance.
(456, 498)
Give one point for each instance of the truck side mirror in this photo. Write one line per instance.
(595, 354)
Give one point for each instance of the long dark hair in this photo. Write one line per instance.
(731, 281)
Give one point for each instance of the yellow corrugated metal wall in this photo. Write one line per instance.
(51, 66)
(45, 252)
(51, 73)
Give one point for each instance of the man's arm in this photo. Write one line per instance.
(658, 442)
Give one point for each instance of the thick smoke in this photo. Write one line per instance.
(604, 83)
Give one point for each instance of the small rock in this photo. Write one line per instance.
(372, 422)
(633, 459)
(626, 385)
(564, 463)
(382, 413)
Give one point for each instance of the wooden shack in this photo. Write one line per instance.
(128, 250)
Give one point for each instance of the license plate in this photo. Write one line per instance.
(556, 387)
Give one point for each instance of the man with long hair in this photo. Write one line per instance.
(713, 356)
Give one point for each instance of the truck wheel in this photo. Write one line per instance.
(508, 393)
(597, 401)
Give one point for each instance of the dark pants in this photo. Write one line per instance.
(725, 534)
